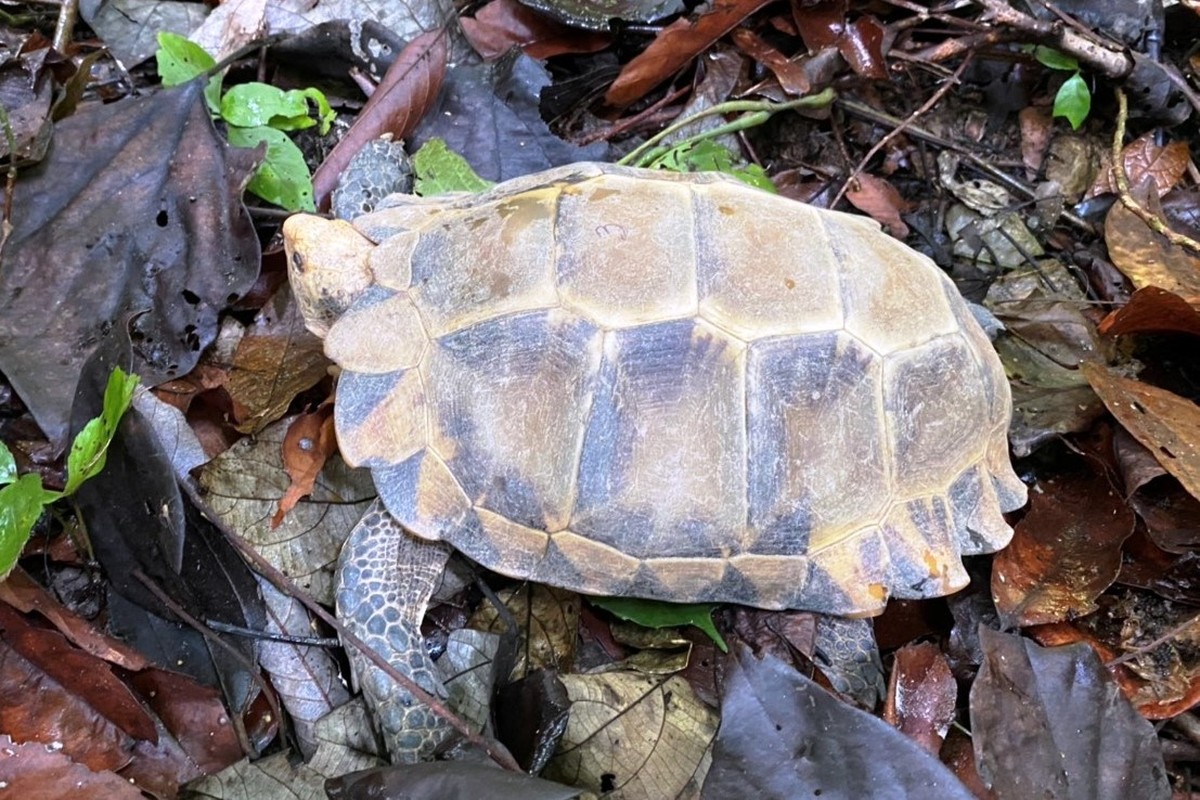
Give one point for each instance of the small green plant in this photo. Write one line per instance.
(705, 155)
(23, 498)
(440, 170)
(254, 113)
(1074, 99)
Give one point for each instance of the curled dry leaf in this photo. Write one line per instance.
(1151, 309)
(1146, 160)
(549, 621)
(308, 444)
(878, 198)
(1165, 423)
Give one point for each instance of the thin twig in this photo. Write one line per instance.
(933, 100)
(1190, 622)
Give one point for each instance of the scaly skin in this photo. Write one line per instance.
(385, 579)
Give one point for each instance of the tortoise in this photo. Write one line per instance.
(639, 383)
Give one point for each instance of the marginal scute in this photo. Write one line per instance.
(671, 386)
(380, 419)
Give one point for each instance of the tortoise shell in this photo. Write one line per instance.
(647, 384)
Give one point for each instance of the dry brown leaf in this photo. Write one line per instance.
(791, 74)
(632, 736)
(1165, 423)
(36, 771)
(503, 24)
(1036, 126)
(1145, 159)
(403, 96)
(1148, 259)
(1065, 551)
(922, 695)
(549, 618)
(676, 45)
(308, 444)
(879, 199)
(1152, 309)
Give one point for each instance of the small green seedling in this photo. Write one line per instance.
(23, 498)
(1074, 99)
(705, 155)
(254, 113)
(440, 170)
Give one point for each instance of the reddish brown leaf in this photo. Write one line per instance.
(958, 753)
(503, 24)
(922, 695)
(820, 24)
(403, 96)
(21, 592)
(1036, 127)
(862, 47)
(194, 714)
(1147, 258)
(1145, 159)
(309, 442)
(791, 74)
(1165, 423)
(675, 46)
(879, 199)
(1152, 309)
(35, 771)
(1065, 552)
(37, 708)
(277, 359)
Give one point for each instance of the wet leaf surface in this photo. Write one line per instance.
(783, 736)
(132, 224)
(1048, 722)
(1065, 551)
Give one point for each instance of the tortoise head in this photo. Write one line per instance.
(327, 266)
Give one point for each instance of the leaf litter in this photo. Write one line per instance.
(129, 247)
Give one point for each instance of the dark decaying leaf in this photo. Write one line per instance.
(1050, 723)
(783, 736)
(134, 222)
(1065, 551)
(484, 109)
(26, 93)
(445, 780)
(531, 715)
(595, 14)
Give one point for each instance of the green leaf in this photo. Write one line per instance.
(90, 447)
(706, 155)
(283, 177)
(8, 465)
(1049, 57)
(325, 113)
(181, 60)
(21, 503)
(1073, 101)
(250, 105)
(656, 614)
(439, 170)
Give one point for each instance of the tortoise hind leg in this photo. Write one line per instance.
(385, 578)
